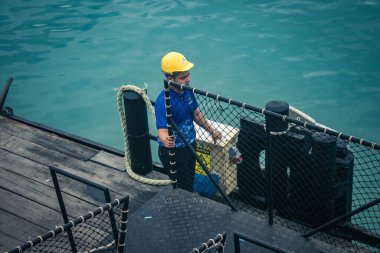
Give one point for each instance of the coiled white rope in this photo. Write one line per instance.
(127, 162)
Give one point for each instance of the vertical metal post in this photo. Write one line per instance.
(63, 209)
(223, 242)
(269, 172)
(123, 225)
(236, 243)
(138, 132)
(111, 216)
(173, 167)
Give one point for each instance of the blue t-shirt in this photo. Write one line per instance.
(182, 108)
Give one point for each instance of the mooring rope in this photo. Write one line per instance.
(127, 162)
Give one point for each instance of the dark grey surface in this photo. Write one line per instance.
(178, 221)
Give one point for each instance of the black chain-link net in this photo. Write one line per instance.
(316, 177)
(93, 235)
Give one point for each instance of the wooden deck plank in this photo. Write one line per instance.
(116, 180)
(109, 160)
(19, 232)
(48, 140)
(7, 242)
(36, 179)
(4, 137)
(42, 194)
(28, 202)
(29, 210)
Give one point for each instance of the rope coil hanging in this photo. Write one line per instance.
(120, 109)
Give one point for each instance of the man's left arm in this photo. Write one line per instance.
(203, 122)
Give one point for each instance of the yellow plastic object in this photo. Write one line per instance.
(175, 62)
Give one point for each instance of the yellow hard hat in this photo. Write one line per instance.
(175, 62)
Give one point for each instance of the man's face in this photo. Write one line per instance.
(183, 78)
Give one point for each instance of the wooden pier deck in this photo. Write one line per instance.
(28, 202)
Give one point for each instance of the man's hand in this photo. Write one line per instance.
(216, 135)
(165, 138)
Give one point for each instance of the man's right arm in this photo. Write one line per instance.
(164, 137)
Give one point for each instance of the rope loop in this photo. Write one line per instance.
(127, 162)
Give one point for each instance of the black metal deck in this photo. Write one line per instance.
(178, 221)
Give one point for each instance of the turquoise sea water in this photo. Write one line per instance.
(67, 57)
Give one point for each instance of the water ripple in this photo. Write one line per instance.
(319, 73)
